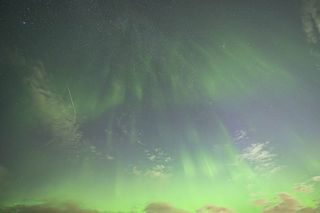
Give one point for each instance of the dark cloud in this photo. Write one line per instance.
(214, 209)
(288, 204)
(260, 202)
(163, 208)
(309, 210)
(47, 208)
(167, 208)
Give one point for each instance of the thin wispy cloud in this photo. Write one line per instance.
(156, 165)
(303, 187)
(311, 20)
(316, 178)
(260, 157)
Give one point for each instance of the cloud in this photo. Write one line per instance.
(255, 152)
(96, 152)
(260, 158)
(309, 210)
(261, 202)
(303, 187)
(163, 208)
(152, 157)
(48, 208)
(57, 114)
(240, 135)
(109, 157)
(158, 171)
(157, 154)
(316, 178)
(288, 204)
(311, 20)
(156, 165)
(214, 209)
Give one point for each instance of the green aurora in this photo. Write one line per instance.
(125, 115)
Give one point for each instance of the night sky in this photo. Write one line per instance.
(160, 106)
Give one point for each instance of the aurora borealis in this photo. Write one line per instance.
(160, 106)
